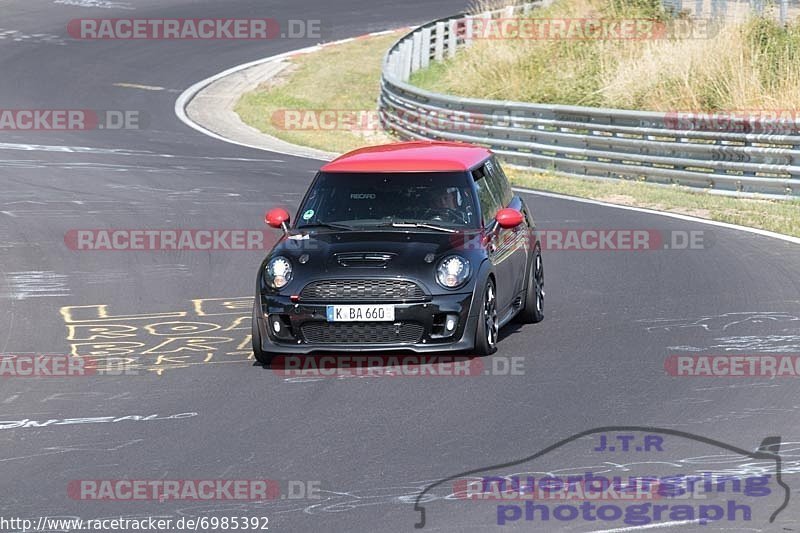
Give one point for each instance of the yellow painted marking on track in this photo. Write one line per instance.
(159, 341)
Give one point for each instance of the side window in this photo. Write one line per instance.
(499, 182)
(490, 204)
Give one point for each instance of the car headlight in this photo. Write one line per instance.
(278, 272)
(452, 271)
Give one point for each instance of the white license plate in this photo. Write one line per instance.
(360, 313)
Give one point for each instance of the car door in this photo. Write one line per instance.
(499, 253)
(515, 239)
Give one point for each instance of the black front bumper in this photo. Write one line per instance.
(416, 328)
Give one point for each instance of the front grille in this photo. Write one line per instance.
(362, 332)
(371, 290)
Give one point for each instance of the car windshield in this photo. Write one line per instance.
(441, 199)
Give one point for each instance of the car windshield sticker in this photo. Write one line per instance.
(308, 214)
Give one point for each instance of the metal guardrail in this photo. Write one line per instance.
(579, 141)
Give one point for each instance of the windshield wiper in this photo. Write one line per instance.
(421, 225)
(332, 225)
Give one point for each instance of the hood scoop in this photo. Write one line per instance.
(364, 259)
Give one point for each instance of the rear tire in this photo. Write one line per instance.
(487, 331)
(533, 311)
(265, 358)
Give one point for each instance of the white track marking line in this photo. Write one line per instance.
(648, 526)
(139, 86)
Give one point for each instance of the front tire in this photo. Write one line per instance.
(488, 327)
(265, 358)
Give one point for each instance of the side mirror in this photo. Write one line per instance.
(277, 218)
(509, 218)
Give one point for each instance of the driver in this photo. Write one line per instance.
(447, 206)
(447, 200)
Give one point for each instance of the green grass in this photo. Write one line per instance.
(743, 64)
(344, 77)
(567, 71)
(347, 77)
(774, 48)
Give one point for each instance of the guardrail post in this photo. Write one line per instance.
(397, 67)
(438, 49)
(406, 51)
(452, 37)
(469, 22)
(391, 63)
(486, 25)
(416, 51)
(425, 48)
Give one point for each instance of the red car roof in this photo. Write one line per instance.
(414, 156)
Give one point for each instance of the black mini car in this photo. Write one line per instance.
(418, 246)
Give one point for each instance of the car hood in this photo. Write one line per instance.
(350, 252)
